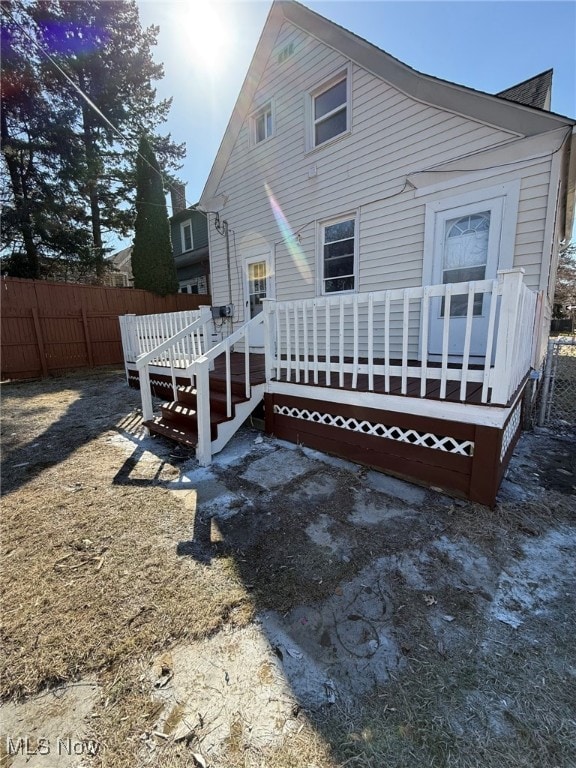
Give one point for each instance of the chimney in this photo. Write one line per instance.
(178, 197)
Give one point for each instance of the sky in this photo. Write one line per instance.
(206, 47)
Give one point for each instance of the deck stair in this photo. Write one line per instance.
(178, 418)
(209, 391)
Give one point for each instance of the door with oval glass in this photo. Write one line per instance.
(258, 285)
(466, 248)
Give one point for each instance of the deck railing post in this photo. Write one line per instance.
(207, 330)
(269, 337)
(505, 364)
(145, 393)
(129, 338)
(204, 447)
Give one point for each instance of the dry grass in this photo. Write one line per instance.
(90, 566)
(92, 582)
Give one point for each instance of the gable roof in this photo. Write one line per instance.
(120, 258)
(534, 92)
(490, 109)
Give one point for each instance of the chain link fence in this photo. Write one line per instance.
(556, 405)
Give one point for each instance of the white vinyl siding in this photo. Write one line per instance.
(392, 135)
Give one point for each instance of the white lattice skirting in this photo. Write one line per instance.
(155, 382)
(510, 431)
(424, 439)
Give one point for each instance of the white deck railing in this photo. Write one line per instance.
(143, 333)
(175, 355)
(200, 369)
(187, 354)
(333, 340)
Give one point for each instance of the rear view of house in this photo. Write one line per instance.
(388, 242)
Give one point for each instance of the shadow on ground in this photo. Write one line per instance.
(408, 628)
(33, 440)
(377, 623)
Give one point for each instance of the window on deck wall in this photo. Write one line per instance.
(338, 259)
(465, 255)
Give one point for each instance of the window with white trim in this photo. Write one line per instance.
(338, 255)
(186, 236)
(262, 124)
(330, 110)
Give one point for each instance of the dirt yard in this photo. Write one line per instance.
(281, 609)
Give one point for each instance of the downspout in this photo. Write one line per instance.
(228, 266)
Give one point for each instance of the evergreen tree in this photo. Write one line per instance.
(78, 99)
(152, 260)
(565, 294)
(40, 224)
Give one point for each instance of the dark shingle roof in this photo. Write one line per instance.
(534, 92)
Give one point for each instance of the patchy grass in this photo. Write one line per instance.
(90, 573)
(93, 582)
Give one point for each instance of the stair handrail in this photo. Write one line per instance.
(229, 341)
(200, 369)
(146, 357)
(143, 361)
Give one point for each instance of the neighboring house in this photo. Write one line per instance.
(120, 275)
(189, 231)
(401, 234)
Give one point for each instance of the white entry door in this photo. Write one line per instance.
(258, 285)
(466, 247)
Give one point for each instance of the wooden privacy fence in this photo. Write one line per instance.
(47, 328)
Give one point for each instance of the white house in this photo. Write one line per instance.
(404, 231)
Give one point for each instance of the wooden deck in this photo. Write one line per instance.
(413, 385)
(461, 454)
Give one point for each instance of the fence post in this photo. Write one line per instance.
(40, 342)
(87, 337)
(506, 340)
(546, 384)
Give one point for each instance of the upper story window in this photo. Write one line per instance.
(338, 259)
(330, 108)
(262, 124)
(186, 236)
(285, 53)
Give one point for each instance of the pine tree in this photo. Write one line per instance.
(565, 293)
(85, 76)
(40, 225)
(152, 260)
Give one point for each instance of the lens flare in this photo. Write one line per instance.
(290, 241)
